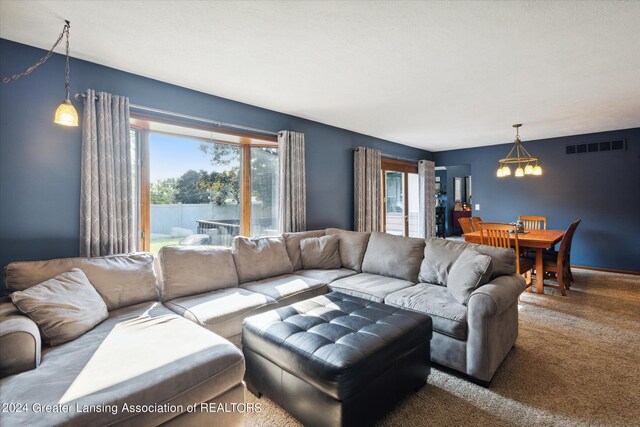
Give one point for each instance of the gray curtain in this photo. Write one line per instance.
(106, 202)
(292, 205)
(367, 189)
(427, 198)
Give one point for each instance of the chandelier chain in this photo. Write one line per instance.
(29, 70)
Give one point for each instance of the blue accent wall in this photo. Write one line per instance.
(40, 161)
(602, 189)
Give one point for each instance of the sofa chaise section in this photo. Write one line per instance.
(142, 354)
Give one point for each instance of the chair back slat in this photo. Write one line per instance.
(533, 222)
(466, 225)
(499, 235)
(475, 223)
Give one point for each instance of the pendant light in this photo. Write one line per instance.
(520, 156)
(65, 114)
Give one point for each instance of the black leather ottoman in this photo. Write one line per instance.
(336, 360)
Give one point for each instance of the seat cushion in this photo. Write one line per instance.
(141, 355)
(325, 276)
(353, 245)
(222, 311)
(439, 256)
(286, 286)
(393, 256)
(369, 286)
(260, 258)
(336, 342)
(121, 280)
(191, 270)
(292, 242)
(448, 315)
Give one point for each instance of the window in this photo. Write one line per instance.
(400, 197)
(200, 185)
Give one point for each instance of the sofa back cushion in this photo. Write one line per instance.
(260, 258)
(439, 256)
(64, 307)
(121, 280)
(321, 253)
(292, 241)
(503, 260)
(393, 256)
(353, 245)
(190, 270)
(470, 271)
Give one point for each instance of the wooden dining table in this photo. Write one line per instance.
(531, 239)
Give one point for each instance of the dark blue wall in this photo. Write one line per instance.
(40, 161)
(602, 189)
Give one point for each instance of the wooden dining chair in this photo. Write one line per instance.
(499, 235)
(475, 221)
(560, 265)
(532, 222)
(467, 226)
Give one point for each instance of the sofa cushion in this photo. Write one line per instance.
(393, 256)
(64, 307)
(292, 242)
(448, 315)
(141, 355)
(222, 311)
(369, 286)
(120, 280)
(503, 260)
(325, 276)
(190, 270)
(320, 252)
(439, 256)
(285, 286)
(260, 258)
(353, 245)
(470, 271)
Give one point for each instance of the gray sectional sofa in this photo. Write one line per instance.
(169, 334)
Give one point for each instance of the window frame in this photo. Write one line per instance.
(392, 165)
(143, 124)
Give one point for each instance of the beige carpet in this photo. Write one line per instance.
(576, 362)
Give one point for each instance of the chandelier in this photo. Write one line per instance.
(520, 156)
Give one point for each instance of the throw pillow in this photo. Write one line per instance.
(321, 252)
(353, 245)
(64, 307)
(470, 271)
(260, 258)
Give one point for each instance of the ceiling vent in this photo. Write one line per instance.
(594, 147)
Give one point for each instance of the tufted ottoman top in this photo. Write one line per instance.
(336, 342)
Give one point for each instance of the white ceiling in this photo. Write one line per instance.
(434, 75)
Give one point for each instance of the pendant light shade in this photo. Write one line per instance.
(528, 170)
(519, 172)
(66, 114)
(506, 170)
(499, 173)
(537, 170)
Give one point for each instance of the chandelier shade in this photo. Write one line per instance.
(518, 155)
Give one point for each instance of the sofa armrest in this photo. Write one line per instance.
(19, 341)
(496, 296)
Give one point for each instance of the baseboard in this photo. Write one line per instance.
(608, 270)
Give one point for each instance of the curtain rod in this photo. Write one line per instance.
(389, 156)
(217, 123)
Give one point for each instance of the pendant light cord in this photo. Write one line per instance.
(29, 70)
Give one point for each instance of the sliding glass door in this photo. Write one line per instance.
(400, 197)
